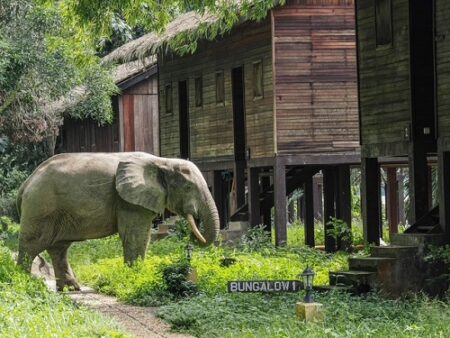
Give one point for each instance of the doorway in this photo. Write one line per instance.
(183, 104)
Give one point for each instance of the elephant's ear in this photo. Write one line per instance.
(140, 184)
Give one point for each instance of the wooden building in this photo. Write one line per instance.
(135, 126)
(403, 63)
(264, 108)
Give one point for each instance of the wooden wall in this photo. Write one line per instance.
(138, 109)
(211, 126)
(442, 13)
(315, 77)
(384, 75)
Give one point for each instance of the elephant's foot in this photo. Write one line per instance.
(68, 281)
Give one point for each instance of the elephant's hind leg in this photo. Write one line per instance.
(28, 250)
(63, 272)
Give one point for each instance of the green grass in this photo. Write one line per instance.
(28, 309)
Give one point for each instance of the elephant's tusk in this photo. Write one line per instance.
(194, 228)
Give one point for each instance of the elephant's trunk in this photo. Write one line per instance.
(210, 217)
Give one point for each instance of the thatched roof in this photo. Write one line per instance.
(120, 74)
(149, 43)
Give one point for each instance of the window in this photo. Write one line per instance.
(258, 91)
(198, 91)
(383, 22)
(168, 104)
(220, 87)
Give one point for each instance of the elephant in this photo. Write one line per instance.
(78, 196)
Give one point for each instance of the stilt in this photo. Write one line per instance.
(344, 201)
(371, 201)
(253, 197)
(309, 212)
(318, 192)
(418, 181)
(392, 199)
(239, 176)
(218, 194)
(444, 192)
(329, 206)
(266, 212)
(279, 183)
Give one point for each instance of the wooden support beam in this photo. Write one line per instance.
(418, 181)
(344, 201)
(220, 198)
(392, 199)
(444, 193)
(318, 192)
(254, 207)
(371, 201)
(239, 176)
(279, 183)
(309, 212)
(329, 197)
(266, 211)
(401, 197)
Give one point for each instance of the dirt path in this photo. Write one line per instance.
(135, 320)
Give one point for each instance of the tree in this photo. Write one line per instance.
(41, 62)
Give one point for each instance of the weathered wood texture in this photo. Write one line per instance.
(89, 136)
(384, 77)
(442, 25)
(315, 77)
(212, 124)
(139, 106)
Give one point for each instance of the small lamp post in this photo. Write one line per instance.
(308, 280)
(189, 249)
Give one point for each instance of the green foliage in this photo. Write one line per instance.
(144, 283)
(254, 315)
(28, 309)
(339, 230)
(176, 280)
(9, 233)
(255, 239)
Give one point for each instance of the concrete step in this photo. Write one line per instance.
(339, 288)
(352, 278)
(418, 239)
(238, 226)
(231, 235)
(394, 251)
(370, 263)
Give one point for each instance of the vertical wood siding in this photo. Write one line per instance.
(315, 77)
(211, 126)
(443, 66)
(385, 90)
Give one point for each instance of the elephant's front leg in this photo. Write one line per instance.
(134, 225)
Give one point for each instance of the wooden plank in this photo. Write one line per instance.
(280, 203)
(371, 200)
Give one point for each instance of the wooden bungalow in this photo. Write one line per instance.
(264, 108)
(403, 104)
(135, 126)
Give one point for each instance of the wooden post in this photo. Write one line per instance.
(318, 193)
(401, 197)
(430, 187)
(392, 199)
(344, 201)
(279, 183)
(254, 207)
(218, 194)
(267, 212)
(329, 206)
(444, 192)
(309, 211)
(291, 212)
(371, 201)
(239, 176)
(418, 181)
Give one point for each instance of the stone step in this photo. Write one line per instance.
(351, 278)
(370, 263)
(394, 251)
(338, 288)
(230, 235)
(418, 239)
(238, 226)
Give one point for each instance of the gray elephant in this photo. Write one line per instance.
(74, 197)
